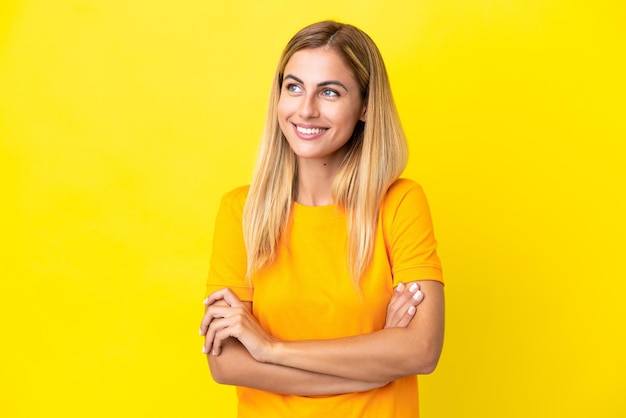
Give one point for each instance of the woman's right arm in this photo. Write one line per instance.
(235, 366)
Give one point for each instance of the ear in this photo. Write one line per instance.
(363, 113)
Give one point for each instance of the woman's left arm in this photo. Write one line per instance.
(384, 355)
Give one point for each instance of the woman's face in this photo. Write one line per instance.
(320, 104)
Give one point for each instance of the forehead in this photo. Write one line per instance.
(319, 64)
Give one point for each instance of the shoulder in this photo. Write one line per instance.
(236, 197)
(232, 203)
(400, 189)
(405, 199)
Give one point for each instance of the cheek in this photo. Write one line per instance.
(281, 114)
(285, 106)
(348, 122)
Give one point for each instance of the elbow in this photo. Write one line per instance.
(231, 366)
(219, 378)
(425, 360)
(428, 366)
(219, 373)
(424, 365)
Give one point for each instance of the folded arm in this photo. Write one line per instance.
(235, 366)
(377, 357)
(384, 355)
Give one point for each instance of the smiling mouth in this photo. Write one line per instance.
(310, 131)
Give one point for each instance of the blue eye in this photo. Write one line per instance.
(330, 93)
(293, 88)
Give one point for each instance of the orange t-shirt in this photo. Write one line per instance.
(308, 294)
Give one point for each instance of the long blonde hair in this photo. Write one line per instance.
(376, 156)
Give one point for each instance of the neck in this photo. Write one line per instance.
(315, 182)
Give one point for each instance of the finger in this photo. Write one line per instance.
(216, 326)
(221, 317)
(413, 288)
(206, 320)
(206, 308)
(394, 306)
(403, 292)
(398, 297)
(407, 317)
(402, 296)
(232, 299)
(213, 312)
(413, 295)
(417, 297)
(223, 294)
(222, 297)
(233, 330)
(214, 297)
(402, 299)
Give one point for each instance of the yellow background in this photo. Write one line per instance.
(122, 123)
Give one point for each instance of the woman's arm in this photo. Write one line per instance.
(235, 365)
(385, 355)
(381, 356)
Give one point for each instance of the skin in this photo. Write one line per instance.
(319, 92)
(233, 364)
(319, 107)
(363, 358)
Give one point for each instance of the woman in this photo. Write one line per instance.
(302, 315)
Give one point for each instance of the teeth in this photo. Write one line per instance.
(310, 131)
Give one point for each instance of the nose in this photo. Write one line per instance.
(309, 106)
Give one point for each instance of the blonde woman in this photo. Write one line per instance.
(325, 292)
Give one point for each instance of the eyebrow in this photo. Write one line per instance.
(322, 84)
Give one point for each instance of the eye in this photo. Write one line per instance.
(329, 93)
(293, 88)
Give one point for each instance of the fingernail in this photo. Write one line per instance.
(411, 310)
(203, 350)
(214, 352)
(200, 332)
(413, 287)
(400, 287)
(205, 301)
(417, 295)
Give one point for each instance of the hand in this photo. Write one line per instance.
(402, 306)
(226, 316)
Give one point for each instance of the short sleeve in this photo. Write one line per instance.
(409, 234)
(228, 257)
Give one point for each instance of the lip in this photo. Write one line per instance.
(306, 136)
